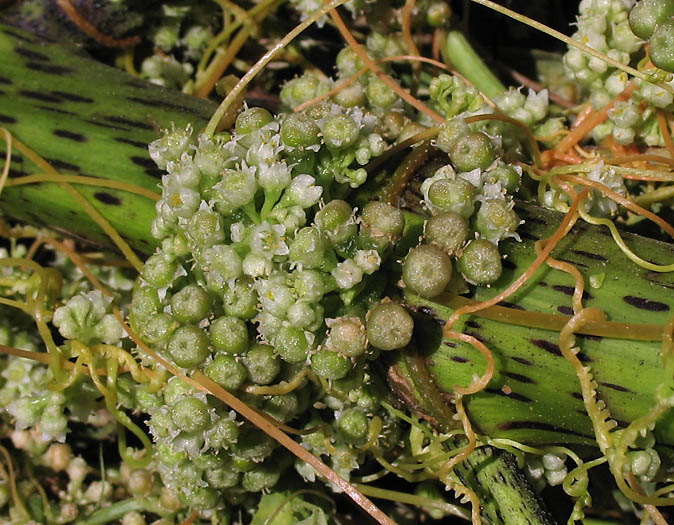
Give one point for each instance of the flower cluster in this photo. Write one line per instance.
(257, 280)
(607, 26)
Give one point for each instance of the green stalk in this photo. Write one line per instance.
(88, 119)
(504, 492)
(534, 395)
(459, 53)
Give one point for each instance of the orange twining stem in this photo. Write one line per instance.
(621, 200)
(407, 11)
(585, 112)
(664, 129)
(91, 31)
(437, 44)
(593, 120)
(566, 224)
(549, 157)
(191, 519)
(347, 82)
(201, 382)
(571, 270)
(372, 66)
(619, 149)
(481, 382)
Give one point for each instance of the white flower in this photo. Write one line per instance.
(303, 191)
(268, 240)
(255, 265)
(347, 274)
(274, 177)
(367, 260)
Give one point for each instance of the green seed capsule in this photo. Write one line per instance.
(507, 176)
(350, 96)
(145, 302)
(227, 372)
(241, 300)
(261, 477)
(347, 336)
(334, 220)
(450, 132)
(188, 346)
(340, 131)
(229, 334)
(353, 425)
(262, 364)
(427, 270)
(224, 433)
(391, 124)
(480, 262)
(223, 478)
(203, 499)
(379, 94)
(283, 408)
(252, 446)
(159, 270)
(389, 326)
(381, 224)
(292, 345)
(252, 119)
(158, 327)
(298, 130)
(471, 151)
(330, 365)
(646, 15)
(448, 230)
(348, 62)
(496, 219)
(223, 262)
(190, 415)
(191, 304)
(299, 90)
(308, 248)
(457, 195)
(438, 14)
(205, 228)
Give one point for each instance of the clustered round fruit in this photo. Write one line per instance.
(471, 202)
(264, 274)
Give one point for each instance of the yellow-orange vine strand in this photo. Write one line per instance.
(563, 228)
(91, 31)
(86, 205)
(201, 382)
(350, 80)
(372, 66)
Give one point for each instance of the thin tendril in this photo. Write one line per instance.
(88, 208)
(91, 31)
(8, 158)
(568, 40)
(372, 66)
(262, 62)
(86, 181)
